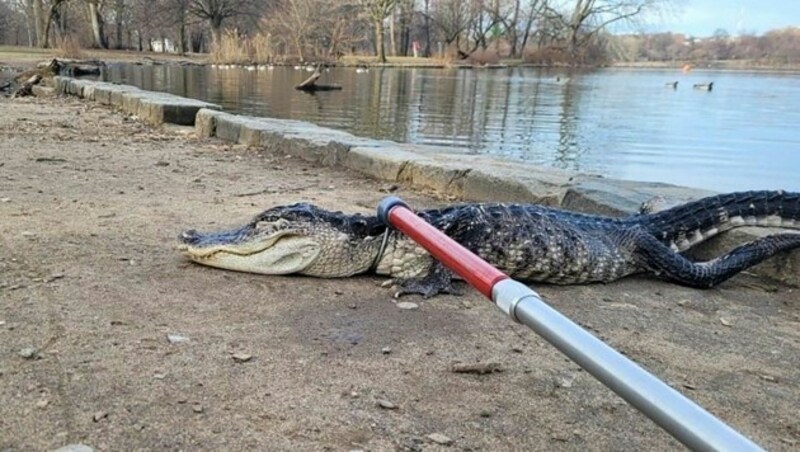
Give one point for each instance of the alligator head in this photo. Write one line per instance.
(300, 238)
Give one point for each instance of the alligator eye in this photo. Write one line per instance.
(280, 223)
(189, 236)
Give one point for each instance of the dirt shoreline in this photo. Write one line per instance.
(91, 287)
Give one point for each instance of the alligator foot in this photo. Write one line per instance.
(437, 281)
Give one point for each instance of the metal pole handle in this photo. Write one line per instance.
(680, 417)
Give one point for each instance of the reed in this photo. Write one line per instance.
(231, 49)
(69, 47)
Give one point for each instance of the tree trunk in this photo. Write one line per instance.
(298, 43)
(380, 51)
(427, 52)
(406, 10)
(392, 38)
(182, 37)
(38, 22)
(97, 26)
(49, 20)
(120, 5)
(512, 30)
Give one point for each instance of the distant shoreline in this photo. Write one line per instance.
(27, 57)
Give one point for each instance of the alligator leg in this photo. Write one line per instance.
(438, 280)
(665, 262)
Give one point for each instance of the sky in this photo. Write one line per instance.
(702, 17)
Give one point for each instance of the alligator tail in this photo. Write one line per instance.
(684, 226)
(666, 263)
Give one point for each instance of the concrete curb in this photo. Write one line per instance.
(453, 173)
(151, 107)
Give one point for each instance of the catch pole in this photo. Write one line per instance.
(686, 421)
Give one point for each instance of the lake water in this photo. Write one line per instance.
(745, 134)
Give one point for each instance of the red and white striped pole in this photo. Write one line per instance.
(680, 417)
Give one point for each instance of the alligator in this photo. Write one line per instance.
(529, 242)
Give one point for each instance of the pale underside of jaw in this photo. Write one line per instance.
(277, 255)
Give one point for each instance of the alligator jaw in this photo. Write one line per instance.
(280, 253)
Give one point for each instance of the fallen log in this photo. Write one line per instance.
(310, 84)
(72, 68)
(27, 88)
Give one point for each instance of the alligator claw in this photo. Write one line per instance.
(437, 281)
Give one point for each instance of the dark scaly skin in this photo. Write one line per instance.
(536, 243)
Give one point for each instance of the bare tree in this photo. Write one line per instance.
(217, 11)
(378, 11)
(40, 16)
(119, 12)
(176, 15)
(343, 28)
(587, 18)
(293, 21)
(5, 19)
(533, 10)
(452, 18)
(406, 14)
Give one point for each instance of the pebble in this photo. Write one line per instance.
(42, 403)
(5, 199)
(74, 448)
(197, 408)
(176, 338)
(28, 234)
(99, 416)
(29, 353)
(439, 438)
(407, 305)
(560, 436)
(385, 404)
(241, 357)
(386, 350)
(565, 382)
(725, 321)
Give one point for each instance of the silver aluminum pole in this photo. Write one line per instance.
(686, 421)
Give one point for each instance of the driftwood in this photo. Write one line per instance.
(73, 68)
(310, 84)
(27, 88)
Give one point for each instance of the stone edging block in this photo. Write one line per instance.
(151, 107)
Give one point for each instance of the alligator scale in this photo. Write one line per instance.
(529, 242)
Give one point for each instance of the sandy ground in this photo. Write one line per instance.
(91, 287)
